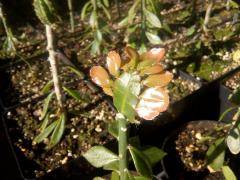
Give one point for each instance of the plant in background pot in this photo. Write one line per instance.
(138, 87)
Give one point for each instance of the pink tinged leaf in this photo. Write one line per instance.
(152, 102)
(113, 63)
(158, 79)
(100, 76)
(151, 57)
(153, 70)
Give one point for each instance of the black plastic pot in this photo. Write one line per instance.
(172, 165)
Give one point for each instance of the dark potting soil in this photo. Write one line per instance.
(86, 126)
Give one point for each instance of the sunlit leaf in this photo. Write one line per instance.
(113, 63)
(153, 70)
(106, 12)
(58, 131)
(141, 162)
(216, 154)
(100, 76)
(152, 19)
(113, 166)
(228, 173)
(106, 3)
(153, 38)
(100, 156)
(126, 89)
(152, 102)
(46, 105)
(46, 132)
(98, 36)
(95, 47)
(93, 19)
(98, 178)
(151, 58)
(154, 154)
(233, 140)
(158, 79)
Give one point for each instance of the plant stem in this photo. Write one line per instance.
(71, 16)
(143, 24)
(122, 145)
(54, 66)
(207, 16)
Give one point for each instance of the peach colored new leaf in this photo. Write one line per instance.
(153, 70)
(100, 76)
(158, 79)
(152, 102)
(151, 57)
(133, 58)
(113, 63)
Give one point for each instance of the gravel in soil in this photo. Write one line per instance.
(233, 82)
(86, 126)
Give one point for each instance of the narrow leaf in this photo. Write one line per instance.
(216, 154)
(58, 131)
(153, 38)
(100, 156)
(76, 95)
(228, 173)
(112, 166)
(115, 176)
(45, 122)
(84, 10)
(46, 105)
(141, 162)
(47, 87)
(45, 133)
(152, 19)
(76, 71)
(235, 96)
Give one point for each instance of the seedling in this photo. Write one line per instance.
(138, 87)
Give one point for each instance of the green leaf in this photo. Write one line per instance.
(130, 176)
(85, 9)
(115, 176)
(152, 19)
(106, 3)
(154, 154)
(46, 105)
(190, 31)
(45, 122)
(95, 48)
(93, 20)
(140, 178)
(58, 131)
(153, 38)
(100, 156)
(76, 95)
(216, 154)
(47, 87)
(233, 140)
(126, 89)
(226, 112)
(113, 129)
(228, 173)
(46, 132)
(98, 178)
(113, 166)
(141, 162)
(235, 96)
(98, 36)
(106, 12)
(135, 141)
(76, 71)
(123, 22)
(132, 11)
